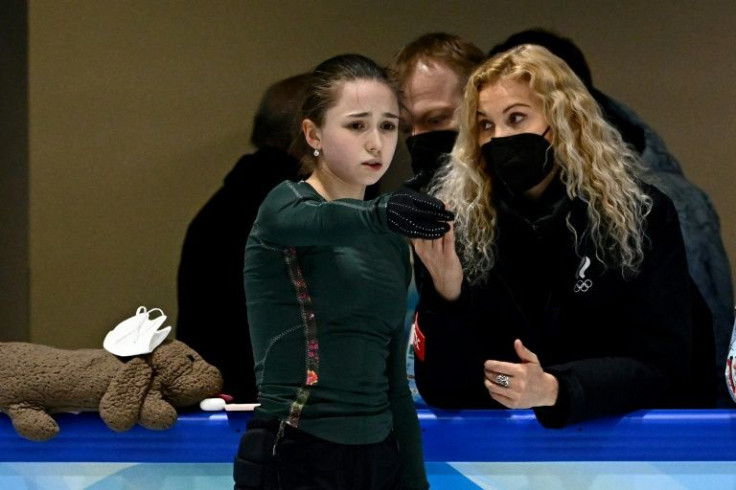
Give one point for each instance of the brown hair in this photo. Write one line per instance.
(274, 124)
(458, 54)
(323, 90)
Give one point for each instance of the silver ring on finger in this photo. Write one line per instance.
(502, 380)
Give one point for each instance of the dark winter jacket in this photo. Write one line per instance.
(701, 231)
(615, 344)
(212, 316)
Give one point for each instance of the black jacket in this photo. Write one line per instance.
(614, 344)
(212, 316)
(699, 222)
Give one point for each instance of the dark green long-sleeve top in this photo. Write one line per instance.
(326, 285)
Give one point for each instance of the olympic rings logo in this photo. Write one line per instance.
(582, 286)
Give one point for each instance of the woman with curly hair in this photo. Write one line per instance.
(563, 286)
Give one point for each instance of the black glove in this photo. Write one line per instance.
(417, 215)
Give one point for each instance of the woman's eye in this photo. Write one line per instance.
(516, 118)
(485, 125)
(356, 125)
(389, 126)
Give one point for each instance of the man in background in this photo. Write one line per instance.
(212, 314)
(432, 71)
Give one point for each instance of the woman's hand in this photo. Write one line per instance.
(527, 385)
(443, 264)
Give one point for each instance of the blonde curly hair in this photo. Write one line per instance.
(596, 166)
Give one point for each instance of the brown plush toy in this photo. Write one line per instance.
(36, 380)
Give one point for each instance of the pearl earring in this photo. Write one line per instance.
(316, 152)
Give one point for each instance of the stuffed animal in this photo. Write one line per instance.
(36, 380)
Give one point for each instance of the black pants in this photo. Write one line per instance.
(306, 462)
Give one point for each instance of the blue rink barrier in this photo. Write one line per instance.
(646, 449)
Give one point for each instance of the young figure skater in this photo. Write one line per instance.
(326, 276)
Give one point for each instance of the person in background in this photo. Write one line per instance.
(212, 315)
(563, 286)
(326, 275)
(432, 71)
(707, 260)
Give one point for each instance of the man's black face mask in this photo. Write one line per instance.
(427, 151)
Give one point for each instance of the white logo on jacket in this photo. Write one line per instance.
(583, 285)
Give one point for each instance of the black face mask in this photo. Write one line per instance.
(427, 151)
(519, 162)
